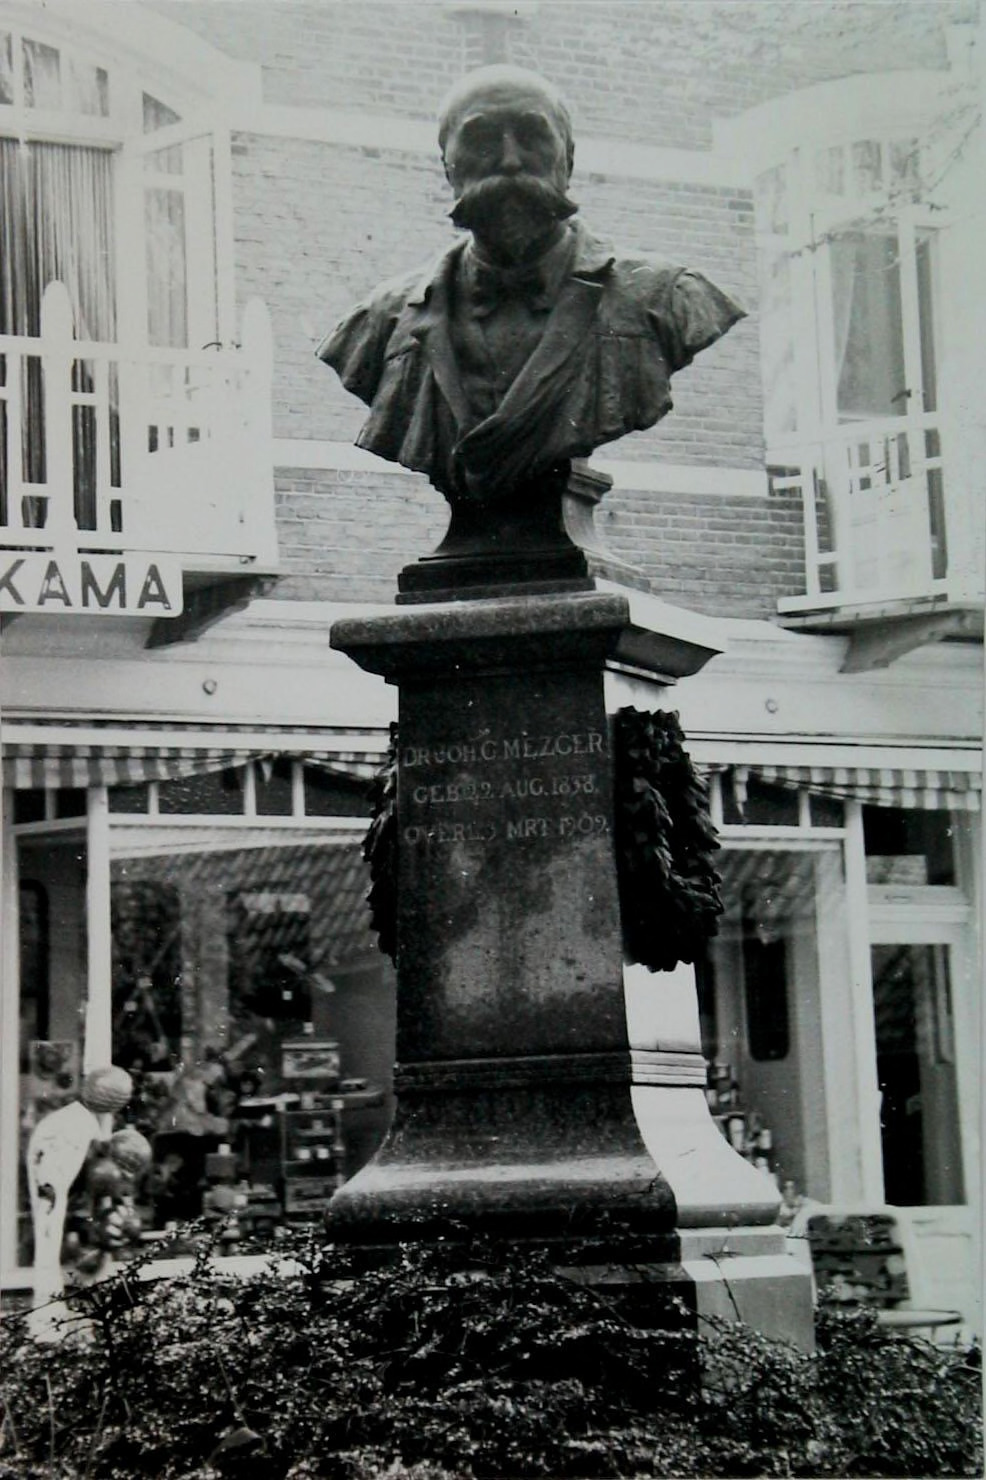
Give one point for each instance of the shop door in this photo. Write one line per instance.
(916, 1072)
(926, 1042)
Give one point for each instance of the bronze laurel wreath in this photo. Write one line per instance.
(380, 852)
(665, 842)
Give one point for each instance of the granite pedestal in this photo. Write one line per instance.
(516, 1082)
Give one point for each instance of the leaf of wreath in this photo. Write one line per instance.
(665, 842)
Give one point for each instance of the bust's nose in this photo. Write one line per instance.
(511, 162)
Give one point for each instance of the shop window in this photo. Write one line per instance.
(274, 786)
(128, 799)
(759, 804)
(915, 1050)
(908, 846)
(216, 793)
(71, 801)
(765, 989)
(29, 805)
(34, 963)
(268, 932)
(826, 811)
(329, 794)
(145, 921)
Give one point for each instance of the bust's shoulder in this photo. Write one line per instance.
(390, 298)
(647, 279)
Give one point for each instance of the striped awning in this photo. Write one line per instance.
(39, 757)
(926, 790)
(359, 763)
(28, 767)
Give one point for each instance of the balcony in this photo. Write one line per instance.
(119, 450)
(888, 538)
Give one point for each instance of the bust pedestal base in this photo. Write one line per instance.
(515, 1098)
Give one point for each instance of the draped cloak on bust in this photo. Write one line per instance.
(618, 330)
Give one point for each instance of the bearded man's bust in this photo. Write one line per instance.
(530, 342)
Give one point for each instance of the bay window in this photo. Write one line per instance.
(848, 264)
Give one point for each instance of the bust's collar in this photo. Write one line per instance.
(593, 256)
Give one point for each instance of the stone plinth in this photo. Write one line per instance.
(516, 1082)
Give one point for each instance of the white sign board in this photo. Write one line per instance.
(100, 585)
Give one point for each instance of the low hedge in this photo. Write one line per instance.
(441, 1367)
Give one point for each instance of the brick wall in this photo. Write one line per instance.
(345, 536)
(657, 71)
(728, 556)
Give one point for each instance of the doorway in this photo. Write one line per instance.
(916, 1072)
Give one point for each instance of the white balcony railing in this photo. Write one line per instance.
(880, 521)
(120, 449)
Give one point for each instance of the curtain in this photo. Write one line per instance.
(56, 224)
(869, 336)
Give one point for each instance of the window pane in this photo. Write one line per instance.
(869, 345)
(929, 368)
(147, 974)
(42, 75)
(830, 170)
(772, 201)
(330, 795)
(867, 174)
(71, 802)
(218, 793)
(777, 340)
(6, 68)
(908, 846)
(826, 811)
(29, 805)
(765, 983)
(157, 114)
(167, 288)
(128, 798)
(904, 161)
(919, 1122)
(87, 89)
(273, 787)
(764, 1019)
(221, 956)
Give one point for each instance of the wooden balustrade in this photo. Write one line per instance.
(120, 447)
(873, 498)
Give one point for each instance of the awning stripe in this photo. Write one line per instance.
(925, 790)
(29, 767)
(59, 765)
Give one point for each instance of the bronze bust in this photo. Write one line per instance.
(530, 342)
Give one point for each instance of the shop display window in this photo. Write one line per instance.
(273, 782)
(216, 793)
(908, 846)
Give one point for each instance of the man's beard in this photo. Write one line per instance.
(512, 214)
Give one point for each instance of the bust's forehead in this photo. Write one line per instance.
(501, 88)
(525, 97)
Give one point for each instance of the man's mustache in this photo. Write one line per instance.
(543, 199)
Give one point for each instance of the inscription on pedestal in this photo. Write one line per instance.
(504, 788)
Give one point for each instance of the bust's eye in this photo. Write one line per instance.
(480, 136)
(532, 131)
